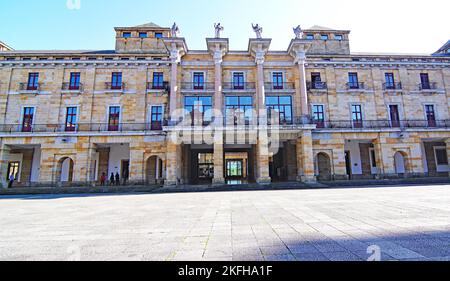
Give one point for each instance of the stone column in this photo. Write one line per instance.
(4, 160)
(136, 164)
(175, 58)
(447, 142)
(261, 94)
(305, 158)
(303, 89)
(173, 164)
(218, 99)
(262, 161)
(218, 163)
(47, 165)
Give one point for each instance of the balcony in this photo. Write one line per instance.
(196, 87)
(115, 88)
(392, 87)
(431, 87)
(317, 86)
(239, 87)
(163, 87)
(26, 88)
(356, 86)
(68, 88)
(82, 127)
(279, 87)
(382, 124)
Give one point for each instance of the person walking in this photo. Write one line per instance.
(117, 178)
(111, 179)
(103, 179)
(11, 180)
(125, 176)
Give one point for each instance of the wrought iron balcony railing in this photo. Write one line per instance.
(381, 124)
(115, 86)
(392, 86)
(159, 86)
(317, 85)
(239, 86)
(428, 86)
(355, 86)
(30, 87)
(198, 86)
(72, 87)
(270, 86)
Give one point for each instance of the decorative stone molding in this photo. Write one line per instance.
(258, 48)
(218, 48)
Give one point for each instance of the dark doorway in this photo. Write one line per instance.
(125, 169)
(348, 164)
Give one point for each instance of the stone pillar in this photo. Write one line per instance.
(137, 161)
(47, 166)
(447, 143)
(262, 159)
(219, 177)
(218, 99)
(378, 146)
(4, 160)
(175, 58)
(261, 94)
(305, 158)
(303, 89)
(173, 164)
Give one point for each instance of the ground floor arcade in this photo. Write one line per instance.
(149, 160)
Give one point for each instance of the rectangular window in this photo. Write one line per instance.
(116, 81)
(441, 156)
(199, 108)
(316, 81)
(279, 107)
(318, 113)
(395, 116)
(33, 82)
(277, 78)
(357, 116)
(143, 35)
(238, 81)
(126, 35)
(309, 36)
(390, 82)
(114, 118)
(324, 37)
(425, 81)
(71, 119)
(199, 80)
(431, 115)
(353, 82)
(13, 169)
(156, 118)
(239, 110)
(338, 37)
(158, 35)
(27, 119)
(158, 80)
(74, 81)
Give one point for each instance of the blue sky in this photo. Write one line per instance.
(377, 26)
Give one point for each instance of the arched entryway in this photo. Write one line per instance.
(64, 171)
(323, 166)
(400, 163)
(154, 171)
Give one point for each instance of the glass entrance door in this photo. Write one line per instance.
(235, 169)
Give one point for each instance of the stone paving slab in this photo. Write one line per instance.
(405, 223)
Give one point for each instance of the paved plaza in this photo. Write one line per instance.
(396, 223)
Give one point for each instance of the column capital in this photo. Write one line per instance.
(258, 48)
(218, 48)
(176, 47)
(298, 48)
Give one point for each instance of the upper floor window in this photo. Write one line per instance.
(199, 80)
(316, 81)
(390, 82)
(238, 81)
(309, 36)
(74, 83)
(33, 81)
(357, 116)
(199, 109)
(114, 118)
(71, 119)
(143, 35)
(158, 80)
(353, 82)
(318, 114)
(431, 115)
(158, 35)
(281, 106)
(156, 118)
(338, 37)
(239, 109)
(277, 78)
(425, 81)
(27, 119)
(126, 35)
(116, 81)
(324, 37)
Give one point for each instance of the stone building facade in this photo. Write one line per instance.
(155, 112)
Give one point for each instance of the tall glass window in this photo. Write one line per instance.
(199, 81)
(281, 106)
(199, 107)
(353, 82)
(74, 81)
(114, 118)
(27, 119)
(33, 81)
(357, 116)
(318, 113)
(71, 119)
(158, 80)
(156, 118)
(238, 81)
(116, 81)
(240, 109)
(277, 79)
(390, 82)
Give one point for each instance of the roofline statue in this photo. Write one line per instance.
(298, 32)
(258, 30)
(219, 28)
(175, 30)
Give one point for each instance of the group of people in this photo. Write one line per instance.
(114, 179)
